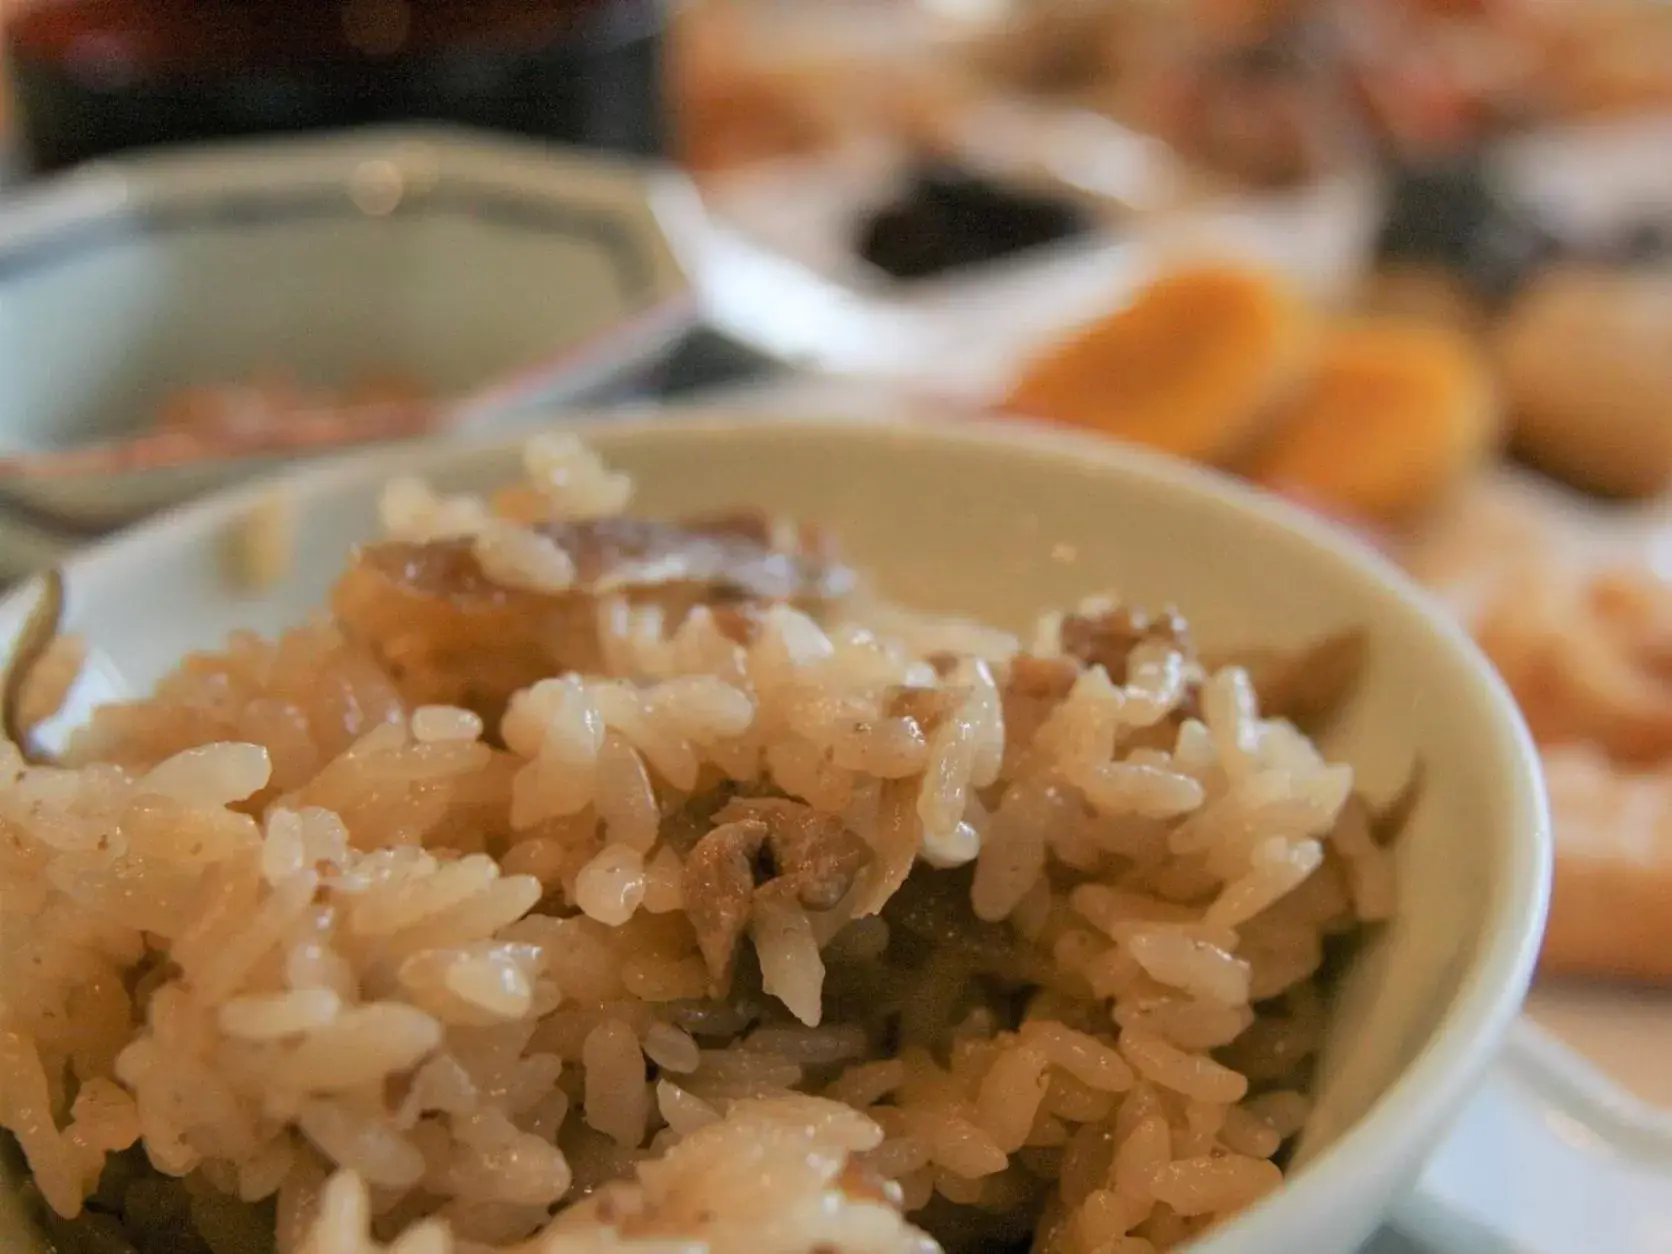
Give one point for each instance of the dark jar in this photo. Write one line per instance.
(92, 77)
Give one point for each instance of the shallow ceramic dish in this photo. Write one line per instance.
(488, 273)
(1003, 521)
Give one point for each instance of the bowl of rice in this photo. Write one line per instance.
(722, 834)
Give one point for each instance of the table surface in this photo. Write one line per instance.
(705, 359)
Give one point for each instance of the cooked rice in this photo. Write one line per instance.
(262, 543)
(707, 919)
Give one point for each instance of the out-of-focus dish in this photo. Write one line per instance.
(764, 86)
(1240, 93)
(266, 413)
(780, 267)
(1271, 93)
(484, 274)
(1407, 982)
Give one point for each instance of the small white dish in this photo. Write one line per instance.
(1005, 520)
(488, 273)
(776, 266)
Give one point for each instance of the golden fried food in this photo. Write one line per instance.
(1611, 909)
(1428, 293)
(1586, 363)
(1190, 367)
(1589, 657)
(1587, 653)
(1394, 414)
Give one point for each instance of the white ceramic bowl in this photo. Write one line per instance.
(490, 273)
(1002, 521)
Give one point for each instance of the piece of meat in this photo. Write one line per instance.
(695, 816)
(1107, 639)
(944, 663)
(719, 885)
(1031, 688)
(1040, 678)
(814, 855)
(764, 844)
(927, 707)
(932, 913)
(1306, 686)
(740, 623)
(428, 609)
(736, 556)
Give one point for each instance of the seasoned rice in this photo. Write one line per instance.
(604, 885)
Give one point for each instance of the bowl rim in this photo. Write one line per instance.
(1432, 1088)
(78, 211)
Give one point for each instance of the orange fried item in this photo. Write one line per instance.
(1586, 360)
(1587, 651)
(1589, 657)
(1611, 909)
(1190, 367)
(1421, 293)
(1395, 413)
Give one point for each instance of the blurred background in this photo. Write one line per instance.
(964, 198)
